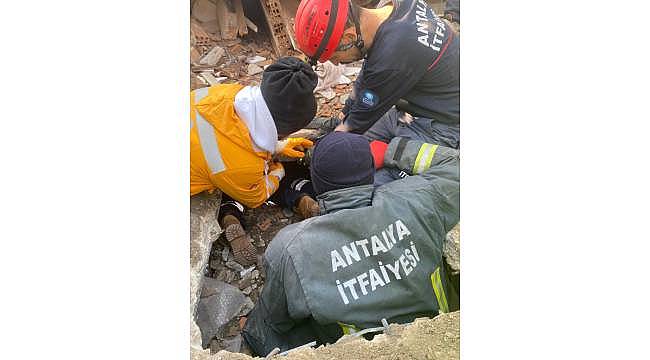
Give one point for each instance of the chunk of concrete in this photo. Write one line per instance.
(451, 249)
(216, 310)
(255, 59)
(254, 69)
(213, 56)
(204, 229)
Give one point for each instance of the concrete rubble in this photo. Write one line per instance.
(451, 249)
(219, 304)
(204, 229)
(437, 338)
(213, 56)
(254, 69)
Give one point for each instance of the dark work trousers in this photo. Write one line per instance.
(293, 186)
(394, 124)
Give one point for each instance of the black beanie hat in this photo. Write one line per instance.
(341, 160)
(288, 90)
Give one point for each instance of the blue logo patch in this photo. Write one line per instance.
(369, 98)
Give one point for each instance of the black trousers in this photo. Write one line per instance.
(292, 187)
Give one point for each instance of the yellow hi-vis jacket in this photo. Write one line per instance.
(221, 150)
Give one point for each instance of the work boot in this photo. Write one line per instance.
(240, 243)
(307, 207)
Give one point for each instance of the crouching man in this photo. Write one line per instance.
(373, 253)
(234, 132)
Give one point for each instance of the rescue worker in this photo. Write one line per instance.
(411, 63)
(373, 253)
(234, 136)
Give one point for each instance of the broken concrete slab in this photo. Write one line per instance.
(234, 265)
(254, 69)
(204, 229)
(255, 59)
(213, 56)
(215, 311)
(451, 249)
(207, 76)
(327, 93)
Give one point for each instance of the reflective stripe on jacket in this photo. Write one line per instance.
(222, 155)
(375, 253)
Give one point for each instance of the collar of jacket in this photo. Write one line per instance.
(252, 110)
(348, 198)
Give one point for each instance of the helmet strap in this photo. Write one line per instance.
(359, 44)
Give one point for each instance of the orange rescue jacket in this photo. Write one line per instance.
(221, 150)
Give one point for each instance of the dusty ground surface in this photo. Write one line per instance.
(437, 338)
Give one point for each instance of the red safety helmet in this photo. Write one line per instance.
(318, 27)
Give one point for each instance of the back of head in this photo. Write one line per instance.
(341, 160)
(288, 90)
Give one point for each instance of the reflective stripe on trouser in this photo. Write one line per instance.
(423, 160)
(439, 290)
(208, 138)
(347, 328)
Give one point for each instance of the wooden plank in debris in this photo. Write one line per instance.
(251, 25)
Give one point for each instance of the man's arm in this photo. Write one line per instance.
(438, 166)
(416, 157)
(375, 92)
(281, 306)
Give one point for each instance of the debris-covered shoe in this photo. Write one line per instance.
(307, 207)
(242, 246)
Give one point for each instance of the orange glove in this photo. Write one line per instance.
(293, 147)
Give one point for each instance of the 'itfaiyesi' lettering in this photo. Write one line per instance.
(369, 281)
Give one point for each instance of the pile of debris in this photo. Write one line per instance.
(243, 61)
(437, 338)
(229, 290)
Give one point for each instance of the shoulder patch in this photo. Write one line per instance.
(369, 98)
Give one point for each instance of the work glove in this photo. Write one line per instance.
(378, 150)
(293, 147)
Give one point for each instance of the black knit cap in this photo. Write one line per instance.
(341, 160)
(288, 90)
